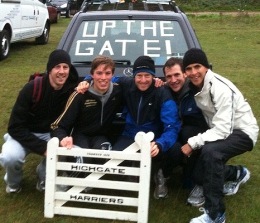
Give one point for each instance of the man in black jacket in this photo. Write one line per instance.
(29, 124)
(90, 115)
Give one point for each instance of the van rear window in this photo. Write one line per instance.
(128, 39)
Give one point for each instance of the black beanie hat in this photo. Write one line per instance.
(195, 55)
(144, 64)
(57, 57)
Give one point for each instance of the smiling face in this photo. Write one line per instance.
(58, 75)
(102, 76)
(174, 77)
(196, 73)
(143, 80)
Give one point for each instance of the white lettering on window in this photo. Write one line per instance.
(106, 47)
(166, 28)
(80, 46)
(152, 28)
(107, 25)
(128, 26)
(168, 47)
(124, 45)
(149, 48)
(86, 30)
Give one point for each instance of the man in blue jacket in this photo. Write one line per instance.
(193, 121)
(149, 108)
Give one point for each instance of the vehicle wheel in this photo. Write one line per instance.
(58, 16)
(5, 44)
(56, 19)
(44, 38)
(68, 13)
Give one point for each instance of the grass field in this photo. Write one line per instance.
(232, 44)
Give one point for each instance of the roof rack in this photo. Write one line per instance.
(146, 5)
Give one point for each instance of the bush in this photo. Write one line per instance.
(223, 5)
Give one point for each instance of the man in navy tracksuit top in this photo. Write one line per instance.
(151, 109)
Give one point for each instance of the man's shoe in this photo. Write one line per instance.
(196, 197)
(205, 218)
(40, 186)
(62, 188)
(231, 187)
(10, 190)
(161, 190)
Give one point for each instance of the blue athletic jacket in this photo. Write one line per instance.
(151, 110)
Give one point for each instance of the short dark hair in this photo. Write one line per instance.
(171, 62)
(102, 60)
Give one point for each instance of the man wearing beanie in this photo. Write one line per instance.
(233, 130)
(149, 108)
(29, 124)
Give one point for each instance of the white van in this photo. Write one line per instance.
(22, 19)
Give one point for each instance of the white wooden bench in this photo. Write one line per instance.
(113, 196)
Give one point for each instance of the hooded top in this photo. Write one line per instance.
(88, 114)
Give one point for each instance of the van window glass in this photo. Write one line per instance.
(128, 39)
(11, 1)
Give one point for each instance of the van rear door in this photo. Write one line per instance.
(10, 13)
(29, 17)
(42, 14)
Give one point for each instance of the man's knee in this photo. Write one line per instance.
(11, 155)
(209, 151)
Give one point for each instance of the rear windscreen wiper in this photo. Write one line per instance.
(123, 62)
(82, 62)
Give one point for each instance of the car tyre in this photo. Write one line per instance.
(44, 38)
(57, 18)
(68, 13)
(5, 44)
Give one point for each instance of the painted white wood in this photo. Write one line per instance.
(135, 194)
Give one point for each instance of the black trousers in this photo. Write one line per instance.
(211, 170)
(91, 142)
(186, 132)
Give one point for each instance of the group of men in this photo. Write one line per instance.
(199, 118)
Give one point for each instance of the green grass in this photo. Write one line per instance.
(232, 45)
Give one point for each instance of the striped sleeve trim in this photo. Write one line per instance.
(55, 124)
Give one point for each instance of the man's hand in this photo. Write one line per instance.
(158, 82)
(154, 149)
(186, 149)
(82, 87)
(67, 142)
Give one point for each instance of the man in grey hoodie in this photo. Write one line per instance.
(90, 114)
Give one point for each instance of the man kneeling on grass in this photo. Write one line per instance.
(233, 130)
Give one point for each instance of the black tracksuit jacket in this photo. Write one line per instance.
(26, 120)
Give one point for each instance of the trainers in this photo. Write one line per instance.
(205, 218)
(62, 188)
(161, 190)
(231, 187)
(196, 197)
(10, 190)
(40, 186)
